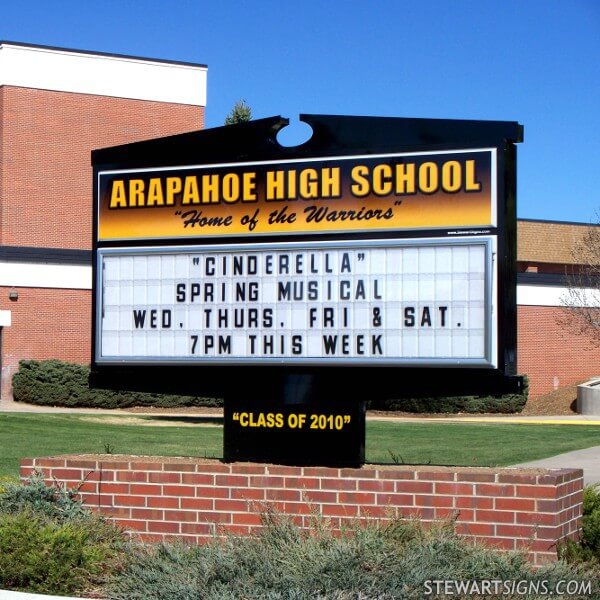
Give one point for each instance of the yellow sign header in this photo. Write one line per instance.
(401, 191)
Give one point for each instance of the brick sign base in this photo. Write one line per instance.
(163, 498)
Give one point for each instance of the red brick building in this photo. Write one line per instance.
(56, 106)
(547, 350)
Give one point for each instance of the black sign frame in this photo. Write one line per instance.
(333, 136)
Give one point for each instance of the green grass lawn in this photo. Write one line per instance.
(474, 444)
(471, 444)
(25, 435)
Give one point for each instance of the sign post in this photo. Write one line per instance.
(297, 282)
(298, 420)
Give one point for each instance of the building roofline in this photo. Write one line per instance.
(553, 222)
(107, 54)
(113, 75)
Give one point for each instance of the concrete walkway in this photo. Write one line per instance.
(587, 459)
(19, 407)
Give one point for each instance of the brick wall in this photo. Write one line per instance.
(1, 157)
(46, 174)
(550, 355)
(46, 138)
(166, 498)
(46, 323)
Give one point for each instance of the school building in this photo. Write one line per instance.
(57, 105)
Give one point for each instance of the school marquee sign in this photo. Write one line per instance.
(390, 249)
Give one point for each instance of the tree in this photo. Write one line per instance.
(582, 299)
(240, 113)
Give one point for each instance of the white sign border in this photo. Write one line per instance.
(491, 287)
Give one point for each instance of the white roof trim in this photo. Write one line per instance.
(102, 75)
(14, 274)
(545, 295)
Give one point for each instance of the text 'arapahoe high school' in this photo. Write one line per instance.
(308, 183)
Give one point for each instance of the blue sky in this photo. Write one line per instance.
(532, 61)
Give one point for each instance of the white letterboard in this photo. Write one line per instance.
(385, 302)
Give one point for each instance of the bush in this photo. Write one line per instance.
(49, 542)
(507, 403)
(376, 561)
(42, 556)
(5, 481)
(510, 403)
(503, 403)
(590, 523)
(58, 383)
(53, 502)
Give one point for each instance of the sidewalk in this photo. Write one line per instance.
(508, 419)
(587, 459)
(10, 406)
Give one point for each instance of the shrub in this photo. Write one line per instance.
(53, 502)
(43, 556)
(376, 561)
(507, 403)
(58, 383)
(50, 543)
(5, 481)
(503, 403)
(590, 523)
